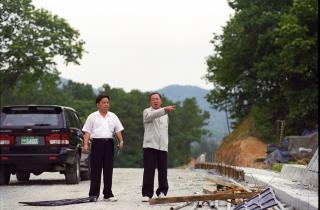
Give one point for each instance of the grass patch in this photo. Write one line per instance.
(277, 167)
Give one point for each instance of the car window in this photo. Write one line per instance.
(77, 121)
(31, 117)
(71, 120)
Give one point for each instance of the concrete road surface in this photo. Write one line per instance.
(126, 187)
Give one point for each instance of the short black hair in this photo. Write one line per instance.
(100, 97)
(154, 93)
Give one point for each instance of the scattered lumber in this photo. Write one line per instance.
(220, 181)
(240, 185)
(234, 190)
(208, 191)
(194, 198)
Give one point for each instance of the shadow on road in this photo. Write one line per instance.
(38, 182)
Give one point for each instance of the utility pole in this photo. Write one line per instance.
(280, 130)
(227, 118)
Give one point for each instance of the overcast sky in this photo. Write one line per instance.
(142, 44)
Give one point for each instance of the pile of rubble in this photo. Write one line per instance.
(227, 193)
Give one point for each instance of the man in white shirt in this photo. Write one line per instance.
(101, 126)
(155, 146)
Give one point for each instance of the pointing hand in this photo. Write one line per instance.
(170, 108)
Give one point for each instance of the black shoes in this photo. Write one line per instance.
(93, 198)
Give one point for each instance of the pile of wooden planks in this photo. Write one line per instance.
(226, 190)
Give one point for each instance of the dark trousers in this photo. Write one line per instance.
(153, 159)
(101, 157)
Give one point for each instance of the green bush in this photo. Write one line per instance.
(277, 167)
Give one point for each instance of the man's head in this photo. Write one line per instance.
(102, 102)
(155, 100)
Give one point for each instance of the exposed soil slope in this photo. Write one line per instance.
(243, 152)
(241, 148)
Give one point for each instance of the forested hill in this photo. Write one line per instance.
(217, 122)
(178, 93)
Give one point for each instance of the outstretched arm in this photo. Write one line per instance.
(149, 115)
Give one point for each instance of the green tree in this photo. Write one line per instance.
(297, 36)
(48, 89)
(30, 39)
(265, 62)
(246, 42)
(80, 91)
(185, 126)
(79, 96)
(27, 90)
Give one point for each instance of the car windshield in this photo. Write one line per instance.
(26, 118)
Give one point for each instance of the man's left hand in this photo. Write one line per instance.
(121, 145)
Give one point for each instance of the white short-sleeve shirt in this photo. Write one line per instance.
(102, 127)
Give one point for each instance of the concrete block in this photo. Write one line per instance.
(292, 172)
(293, 193)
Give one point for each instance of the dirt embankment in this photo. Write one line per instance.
(243, 152)
(241, 148)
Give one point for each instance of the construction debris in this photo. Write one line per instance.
(222, 182)
(233, 195)
(194, 198)
(264, 200)
(61, 202)
(181, 206)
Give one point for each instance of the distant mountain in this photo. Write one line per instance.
(65, 82)
(217, 122)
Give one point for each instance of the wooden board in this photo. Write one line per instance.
(212, 191)
(222, 182)
(193, 198)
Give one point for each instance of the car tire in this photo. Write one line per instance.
(4, 175)
(73, 171)
(23, 176)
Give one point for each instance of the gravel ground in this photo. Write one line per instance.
(126, 187)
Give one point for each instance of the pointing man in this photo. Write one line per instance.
(155, 146)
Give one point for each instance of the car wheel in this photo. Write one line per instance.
(4, 175)
(23, 176)
(73, 171)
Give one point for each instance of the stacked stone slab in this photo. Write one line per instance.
(305, 175)
(310, 173)
(292, 172)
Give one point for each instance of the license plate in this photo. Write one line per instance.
(29, 140)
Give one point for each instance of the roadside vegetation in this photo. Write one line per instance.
(265, 63)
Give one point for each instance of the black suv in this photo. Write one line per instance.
(39, 138)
